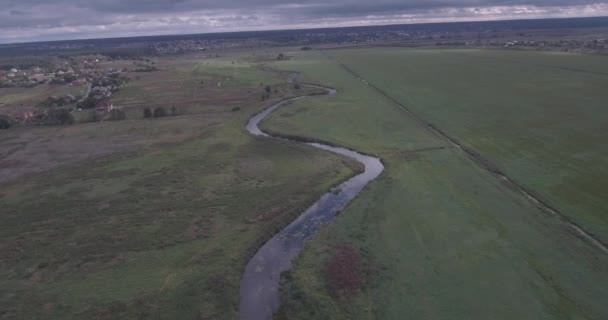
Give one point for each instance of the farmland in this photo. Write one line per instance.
(149, 217)
(539, 116)
(438, 236)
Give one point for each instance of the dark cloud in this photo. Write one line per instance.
(25, 20)
(16, 12)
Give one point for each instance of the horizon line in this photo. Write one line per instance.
(295, 29)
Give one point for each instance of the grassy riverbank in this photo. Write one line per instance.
(436, 237)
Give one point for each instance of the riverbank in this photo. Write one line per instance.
(259, 290)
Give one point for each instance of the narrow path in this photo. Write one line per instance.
(259, 288)
(485, 164)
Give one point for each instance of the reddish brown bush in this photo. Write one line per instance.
(344, 274)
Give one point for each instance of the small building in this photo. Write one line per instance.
(10, 74)
(78, 83)
(104, 106)
(14, 70)
(69, 99)
(25, 116)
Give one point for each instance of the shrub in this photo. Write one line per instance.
(61, 115)
(344, 274)
(147, 113)
(160, 112)
(268, 89)
(88, 103)
(235, 109)
(297, 86)
(5, 122)
(117, 114)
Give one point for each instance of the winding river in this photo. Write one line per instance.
(259, 289)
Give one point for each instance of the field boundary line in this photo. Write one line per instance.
(484, 163)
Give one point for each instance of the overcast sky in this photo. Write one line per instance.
(33, 20)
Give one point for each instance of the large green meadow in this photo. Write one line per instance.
(437, 236)
(541, 117)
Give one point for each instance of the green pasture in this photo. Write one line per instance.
(541, 117)
(438, 237)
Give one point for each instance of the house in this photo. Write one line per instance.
(78, 83)
(13, 70)
(25, 116)
(10, 74)
(69, 99)
(104, 106)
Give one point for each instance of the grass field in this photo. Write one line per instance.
(199, 84)
(14, 101)
(541, 117)
(150, 218)
(438, 237)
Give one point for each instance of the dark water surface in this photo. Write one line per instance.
(259, 291)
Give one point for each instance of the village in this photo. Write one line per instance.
(75, 84)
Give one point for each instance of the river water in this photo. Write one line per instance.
(259, 290)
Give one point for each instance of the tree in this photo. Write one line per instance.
(117, 114)
(147, 113)
(281, 56)
(88, 103)
(160, 112)
(61, 115)
(5, 122)
(173, 111)
(268, 89)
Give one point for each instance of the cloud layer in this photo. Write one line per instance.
(33, 20)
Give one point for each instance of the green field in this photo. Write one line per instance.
(541, 117)
(196, 84)
(437, 236)
(14, 101)
(150, 218)
(156, 218)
